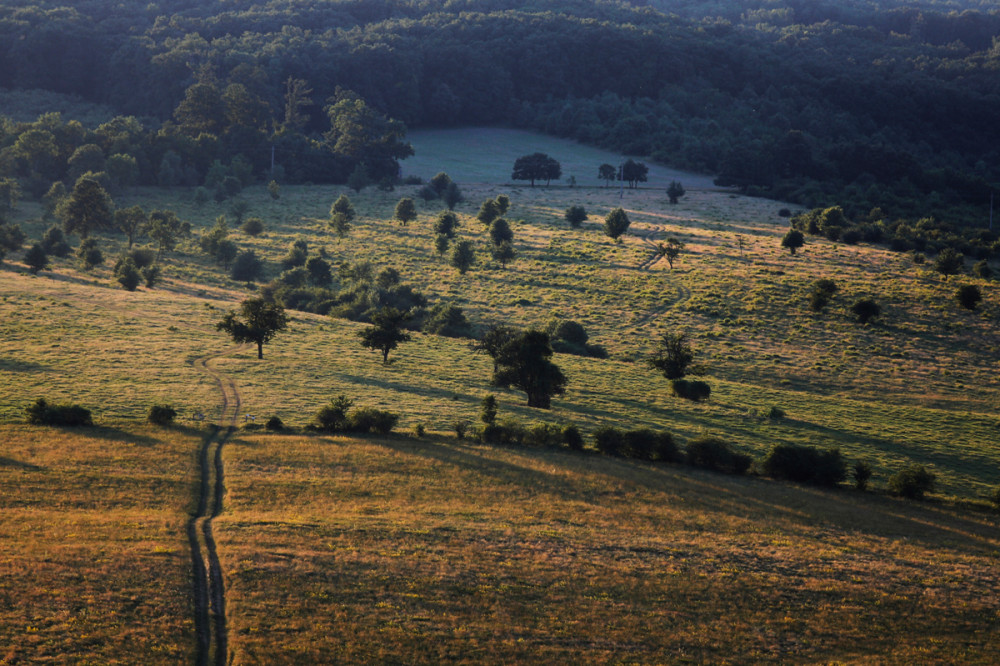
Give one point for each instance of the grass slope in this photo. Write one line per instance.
(361, 551)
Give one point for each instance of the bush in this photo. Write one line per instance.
(649, 445)
(610, 441)
(42, 413)
(544, 435)
(419, 430)
(246, 267)
(862, 472)
(460, 428)
(508, 433)
(691, 389)
(865, 310)
(128, 274)
(333, 417)
(369, 419)
(572, 438)
(968, 296)
(274, 424)
(912, 482)
(162, 415)
(804, 464)
(982, 269)
(254, 226)
(949, 261)
(576, 215)
(715, 454)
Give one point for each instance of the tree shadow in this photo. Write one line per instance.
(19, 464)
(114, 434)
(17, 365)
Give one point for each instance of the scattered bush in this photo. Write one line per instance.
(572, 438)
(691, 389)
(488, 409)
(128, 274)
(419, 430)
(968, 296)
(369, 419)
(274, 423)
(254, 226)
(715, 454)
(610, 441)
(775, 413)
(822, 291)
(865, 310)
(576, 215)
(54, 243)
(162, 415)
(246, 267)
(36, 259)
(333, 417)
(982, 269)
(949, 261)
(862, 472)
(804, 464)
(42, 413)
(913, 482)
(460, 428)
(640, 444)
(547, 435)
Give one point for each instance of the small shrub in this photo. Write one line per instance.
(369, 419)
(488, 411)
(982, 269)
(865, 310)
(715, 454)
(274, 423)
(861, 472)
(419, 430)
(162, 415)
(42, 413)
(128, 274)
(460, 428)
(333, 417)
(968, 296)
(775, 413)
(572, 438)
(254, 226)
(610, 441)
(246, 267)
(151, 275)
(575, 215)
(949, 261)
(547, 435)
(913, 482)
(691, 389)
(804, 464)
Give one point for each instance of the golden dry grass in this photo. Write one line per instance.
(400, 551)
(92, 548)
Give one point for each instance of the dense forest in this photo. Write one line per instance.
(855, 103)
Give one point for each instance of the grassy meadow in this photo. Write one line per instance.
(359, 550)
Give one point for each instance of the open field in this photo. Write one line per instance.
(353, 551)
(96, 566)
(357, 550)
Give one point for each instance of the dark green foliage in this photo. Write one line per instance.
(320, 273)
(861, 473)
(447, 320)
(87, 209)
(793, 240)
(132, 222)
(150, 275)
(572, 438)
(575, 215)
(949, 261)
(673, 355)
(675, 191)
(544, 435)
(446, 224)
(253, 227)
(36, 259)
(865, 310)
(500, 231)
(441, 243)
(54, 243)
(333, 417)
(691, 389)
(258, 321)
(982, 269)
(607, 173)
(633, 173)
(524, 362)
(502, 202)
(537, 166)
(238, 209)
(717, 455)
(341, 215)
(569, 337)
(616, 223)
(488, 409)
(142, 257)
(274, 424)
(247, 267)
(359, 178)
(89, 254)
(670, 250)
(461, 428)
(822, 292)
(42, 413)
(968, 296)
(369, 419)
(463, 256)
(440, 182)
(804, 464)
(504, 253)
(128, 274)
(298, 253)
(640, 444)
(162, 415)
(912, 482)
(11, 237)
(452, 196)
(166, 229)
(406, 211)
(488, 212)
(386, 331)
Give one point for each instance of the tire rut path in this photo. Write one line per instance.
(208, 585)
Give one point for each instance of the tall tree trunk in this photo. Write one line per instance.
(260, 350)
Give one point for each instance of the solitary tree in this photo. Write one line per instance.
(793, 240)
(258, 321)
(607, 173)
(500, 232)
(386, 332)
(537, 166)
(616, 223)
(341, 215)
(672, 356)
(675, 191)
(87, 209)
(634, 173)
(131, 222)
(406, 211)
(524, 362)
(504, 253)
(671, 250)
(452, 195)
(463, 256)
(166, 229)
(575, 215)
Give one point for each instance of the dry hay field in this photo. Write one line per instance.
(428, 550)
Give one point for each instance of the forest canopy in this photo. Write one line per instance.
(857, 103)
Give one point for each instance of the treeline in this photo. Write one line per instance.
(821, 103)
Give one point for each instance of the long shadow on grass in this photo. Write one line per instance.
(19, 464)
(17, 365)
(113, 434)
